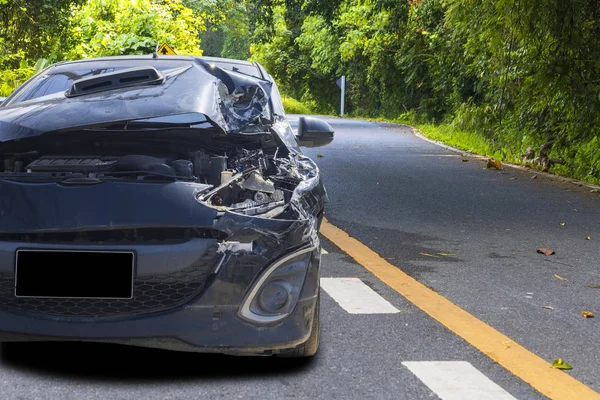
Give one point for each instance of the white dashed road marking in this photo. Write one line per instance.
(355, 297)
(456, 380)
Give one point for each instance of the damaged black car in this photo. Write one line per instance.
(159, 201)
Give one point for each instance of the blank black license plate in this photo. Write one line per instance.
(74, 274)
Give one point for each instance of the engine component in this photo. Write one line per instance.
(226, 177)
(257, 183)
(18, 166)
(201, 161)
(183, 168)
(254, 207)
(9, 164)
(260, 197)
(71, 164)
(218, 164)
(137, 162)
(250, 159)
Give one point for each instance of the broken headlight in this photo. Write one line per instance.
(275, 294)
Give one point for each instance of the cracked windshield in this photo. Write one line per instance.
(307, 199)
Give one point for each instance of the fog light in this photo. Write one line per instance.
(275, 294)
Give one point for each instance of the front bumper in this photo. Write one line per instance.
(189, 292)
(209, 322)
(193, 328)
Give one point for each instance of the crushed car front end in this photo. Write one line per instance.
(167, 223)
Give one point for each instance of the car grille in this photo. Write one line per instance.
(151, 293)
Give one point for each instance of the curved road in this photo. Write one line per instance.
(465, 232)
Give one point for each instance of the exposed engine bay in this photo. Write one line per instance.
(229, 177)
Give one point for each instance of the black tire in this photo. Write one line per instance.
(311, 346)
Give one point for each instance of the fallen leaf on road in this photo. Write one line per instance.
(491, 163)
(575, 210)
(514, 178)
(545, 251)
(559, 363)
(588, 238)
(593, 286)
(428, 255)
(447, 255)
(319, 155)
(534, 177)
(560, 277)
(587, 314)
(548, 307)
(562, 223)
(464, 160)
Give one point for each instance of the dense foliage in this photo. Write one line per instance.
(517, 73)
(115, 27)
(34, 33)
(514, 73)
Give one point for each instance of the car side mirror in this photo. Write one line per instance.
(314, 132)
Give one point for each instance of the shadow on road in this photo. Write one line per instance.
(123, 363)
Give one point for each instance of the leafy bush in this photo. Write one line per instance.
(293, 106)
(117, 27)
(73, 29)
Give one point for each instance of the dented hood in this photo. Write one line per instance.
(209, 97)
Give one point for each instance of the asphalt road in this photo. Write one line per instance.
(409, 201)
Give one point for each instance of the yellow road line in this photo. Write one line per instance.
(532, 369)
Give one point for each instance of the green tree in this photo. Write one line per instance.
(115, 27)
(228, 27)
(32, 29)
(30, 32)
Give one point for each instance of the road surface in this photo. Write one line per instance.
(465, 232)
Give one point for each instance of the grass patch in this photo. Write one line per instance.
(293, 106)
(468, 141)
(447, 134)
